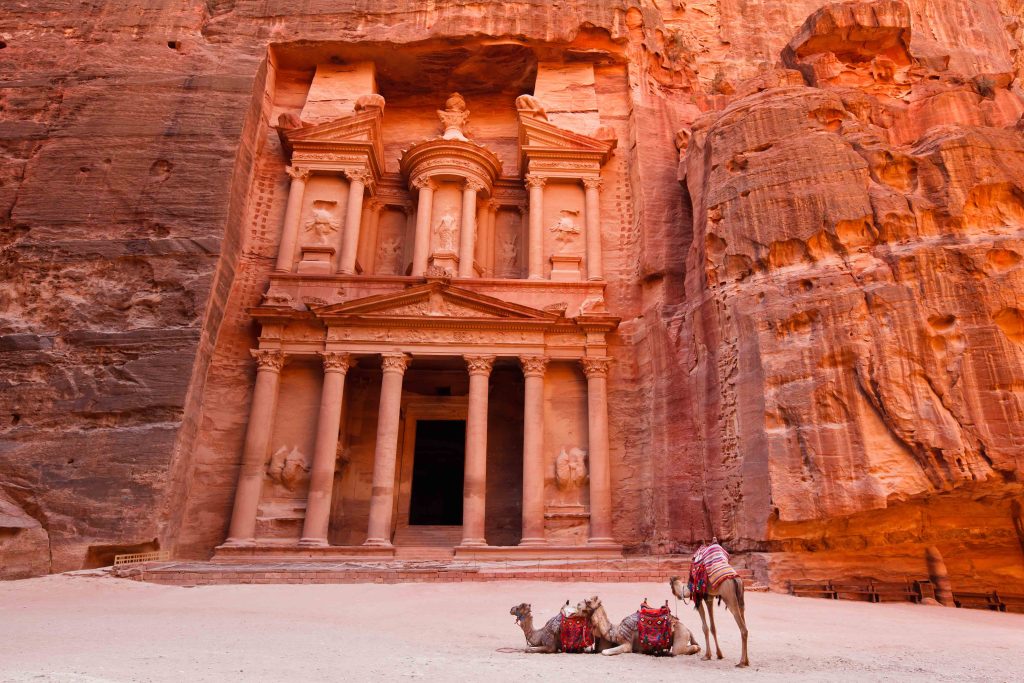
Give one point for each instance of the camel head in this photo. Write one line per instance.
(679, 589)
(521, 611)
(589, 605)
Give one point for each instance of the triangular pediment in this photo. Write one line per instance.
(537, 134)
(361, 127)
(433, 301)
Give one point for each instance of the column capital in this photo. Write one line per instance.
(493, 205)
(297, 172)
(592, 183)
(336, 361)
(534, 365)
(375, 205)
(533, 180)
(479, 365)
(474, 185)
(596, 366)
(360, 175)
(268, 359)
(394, 362)
(424, 182)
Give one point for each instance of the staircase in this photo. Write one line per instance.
(425, 542)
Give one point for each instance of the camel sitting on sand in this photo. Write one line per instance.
(729, 590)
(625, 637)
(545, 640)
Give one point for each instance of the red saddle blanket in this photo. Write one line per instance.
(576, 634)
(654, 630)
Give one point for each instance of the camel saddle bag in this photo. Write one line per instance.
(654, 630)
(576, 634)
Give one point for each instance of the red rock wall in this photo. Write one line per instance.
(822, 326)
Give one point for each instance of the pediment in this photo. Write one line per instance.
(435, 301)
(361, 127)
(537, 134)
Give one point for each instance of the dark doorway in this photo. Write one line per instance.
(437, 472)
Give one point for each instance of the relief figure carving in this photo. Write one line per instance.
(323, 223)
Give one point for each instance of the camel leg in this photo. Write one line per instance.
(711, 618)
(732, 597)
(704, 626)
(542, 649)
(682, 642)
(621, 649)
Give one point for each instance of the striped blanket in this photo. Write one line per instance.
(709, 569)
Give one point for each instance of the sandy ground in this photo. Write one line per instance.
(82, 629)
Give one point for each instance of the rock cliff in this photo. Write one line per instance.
(820, 283)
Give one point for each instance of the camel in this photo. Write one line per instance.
(730, 592)
(545, 640)
(625, 637)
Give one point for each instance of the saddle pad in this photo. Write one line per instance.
(654, 630)
(576, 634)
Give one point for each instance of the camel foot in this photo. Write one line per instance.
(719, 656)
(742, 665)
(707, 657)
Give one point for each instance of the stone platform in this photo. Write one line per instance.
(188, 573)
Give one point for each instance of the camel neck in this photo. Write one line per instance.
(602, 627)
(526, 623)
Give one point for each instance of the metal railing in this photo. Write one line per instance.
(139, 558)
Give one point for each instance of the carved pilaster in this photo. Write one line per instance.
(268, 359)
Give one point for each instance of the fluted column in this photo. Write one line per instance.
(257, 444)
(536, 252)
(358, 180)
(292, 214)
(596, 370)
(325, 452)
(488, 249)
(421, 245)
(592, 205)
(533, 450)
(368, 257)
(474, 490)
(382, 496)
(467, 234)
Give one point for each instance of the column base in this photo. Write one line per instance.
(533, 542)
(596, 278)
(313, 543)
(378, 543)
(535, 277)
(604, 541)
(239, 543)
(473, 543)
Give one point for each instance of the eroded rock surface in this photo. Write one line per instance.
(821, 345)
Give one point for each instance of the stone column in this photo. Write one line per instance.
(358, 181)
(368, 259)
(533, 450)
(421, 243)
(382, 496)
(536, 262)
(474, 490)
(492, 226)
(257, 444)
(596, 370)
(325, 453)
(292, 214)
(592, 188)
(467, 233)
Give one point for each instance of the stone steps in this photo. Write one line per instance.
(415, 552)
(428, 535)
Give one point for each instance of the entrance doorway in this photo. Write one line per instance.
(437, 473)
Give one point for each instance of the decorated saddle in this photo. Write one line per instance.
(576, 634)
(710, 567)
(654, 629)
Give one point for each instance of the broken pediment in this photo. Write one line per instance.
(347, 139)
(432, 301)
(542, 143)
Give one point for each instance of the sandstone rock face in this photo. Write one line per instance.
(815, 249)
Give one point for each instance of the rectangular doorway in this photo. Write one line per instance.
(437, 472)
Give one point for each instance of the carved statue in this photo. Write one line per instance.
(571, 469)
(387, 256)
(594, 304)
(288, 468)
(454, 117)
(277, 299)
(370, 101)
(529, 105)
(509, 253)
(323, 223)
(565, 228)
(446, 233)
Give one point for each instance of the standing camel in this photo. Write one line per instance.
(720, 581)
(625, 637)
(545, 640)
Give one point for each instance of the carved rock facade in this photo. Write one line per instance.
(810, 230)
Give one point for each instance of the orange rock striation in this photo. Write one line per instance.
(821, 353)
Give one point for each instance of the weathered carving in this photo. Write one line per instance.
(479, 365)
(370, 101)
(509, 254)
(593, 304)
(530, 106)
(445, 232)
(682, 141)
(596, 366)
(323, 223)
(394, 362)
(277, 299)
(454, 117)
(422, 182)
(297, 172)
(565, 229)
(436, 271)
(288, 121)
(571, 469)
(533, 180)
(559, 307)
(474, 185)
(534, 365)
(592, 183)
(288, 467)
(268, 359)
(387, 256)
(335, 361)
